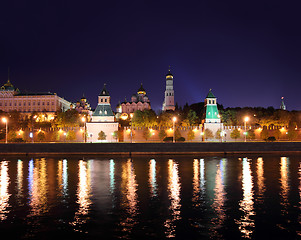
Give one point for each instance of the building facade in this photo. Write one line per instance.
(139, 101)
(102, 119)
(12, 99)
(169, 98)
(212, 119)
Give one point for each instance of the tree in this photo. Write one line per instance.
(218, 134)
(191, 119)
(251, 134)
(102, 136)
(208, 134)
(116, 135)
(70, 136)
(264, 134)
(11, 136)
(41, 136)
(190, 135)
(146, 134)
(177, 134)
(162, 134)
(146, 118)
(235, 134)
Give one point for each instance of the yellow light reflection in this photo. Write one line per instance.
(174, 188)
(4, 194)
(196, 182)
(246, 224)
(38, 187)
(19, 181)
(219, 199)
(130, 198)
(152, 178)
(284, 178)
(83, 193)
(260, 179)
(62, 177)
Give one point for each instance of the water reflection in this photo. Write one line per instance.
(152, 178)
(174, 188)
(130, 198)
(219, 198)
(19, 181)
(4, 194)
(260, 179)
(196, 182)
(83, 193)
(62, 176)
(284, 182)
(38, 187)
(112, 176)
(246, 224)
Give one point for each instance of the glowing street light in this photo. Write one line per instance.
(85, 132)
(5, 121)
(246, 120)
(174, 119)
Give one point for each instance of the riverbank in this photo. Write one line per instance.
(149, 148)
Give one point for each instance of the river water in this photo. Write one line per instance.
(151, 197)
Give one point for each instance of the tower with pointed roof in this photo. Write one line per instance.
(103, 111)
(103, 119)
(212, 120)
(282, 106)
(169, 99)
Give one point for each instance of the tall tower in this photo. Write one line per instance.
(169, 99)
(282, 106)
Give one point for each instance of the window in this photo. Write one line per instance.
(209, 101)
(101, 100)
(24, 103)
(34, 103)
(106, 112)
(28, 103)
(38, 103)
(105, 100)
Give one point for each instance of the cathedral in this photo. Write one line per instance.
(138, 101)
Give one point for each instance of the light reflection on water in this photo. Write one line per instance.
(38, 187)
(219, 199)
(83, 194)
(284, 183)
(246, 223)
(129, 188)
(152, 178)
(174, 191)
(4, 194)
(213, 198)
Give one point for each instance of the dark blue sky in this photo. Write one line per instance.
(248, 52)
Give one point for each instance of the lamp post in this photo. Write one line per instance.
(85, 127)
(246, 120)
(174, 119)
(5, 121)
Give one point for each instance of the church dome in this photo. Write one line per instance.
(141, 90)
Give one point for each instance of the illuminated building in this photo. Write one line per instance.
(83, 106)
(212, 119)
(139, 101)
(282, 106)
(102, 119)
(12, 99)
(169, 99)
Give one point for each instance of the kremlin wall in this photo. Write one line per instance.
(104, 119)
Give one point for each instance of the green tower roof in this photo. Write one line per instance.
(210, 95)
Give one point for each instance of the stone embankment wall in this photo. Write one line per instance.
(150, 148)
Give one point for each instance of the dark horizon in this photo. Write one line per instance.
(247, 53)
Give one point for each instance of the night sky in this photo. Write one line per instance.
(248, 52)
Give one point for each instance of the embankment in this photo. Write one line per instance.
(149, 148)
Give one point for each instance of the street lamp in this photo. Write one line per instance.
(5, 121)
(85, 132)
(246, 120)
(174, 119)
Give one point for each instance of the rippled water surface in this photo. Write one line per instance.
(155, 197)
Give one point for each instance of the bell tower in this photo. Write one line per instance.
(169, 99)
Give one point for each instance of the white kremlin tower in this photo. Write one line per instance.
(169, 99)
